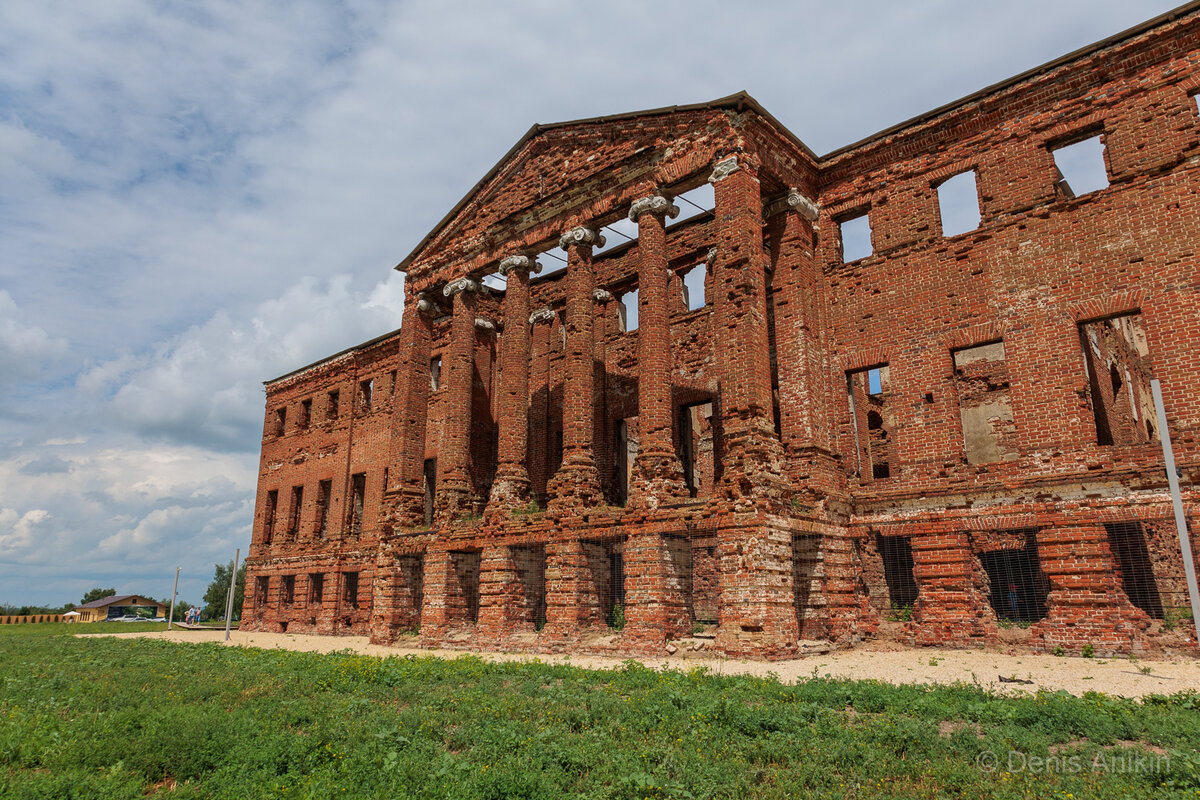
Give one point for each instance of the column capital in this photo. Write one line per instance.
(542, 315)
(519, 261)
(485, 324)
(724, 168)
(427, 306)
(807, 208)
(601, 295)
(581, 235)
(652, 204)
(461, 285)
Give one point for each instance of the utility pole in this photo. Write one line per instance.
(1185, 546)
(232, 585)
(174, 592)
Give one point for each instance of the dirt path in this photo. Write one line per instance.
(1124, 677)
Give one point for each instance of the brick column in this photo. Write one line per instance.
(951, 609)
(404, 496)
(499, 596)
(658, 589)
(1087, 603)
(799, 311)
(577, 483)
(511, 486)
(454, 476)
(758, 611)
(539, 403)
(658, 475)
(564, 563)
(753, 458)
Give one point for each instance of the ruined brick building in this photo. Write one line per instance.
(794, 441)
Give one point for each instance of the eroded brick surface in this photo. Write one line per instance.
(951, 433)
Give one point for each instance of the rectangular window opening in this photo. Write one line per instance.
(624, 454)
(305, 414)
(261, 586)
(365, 391)
(358, 488)
(297, 503)
(331, 405)
(350, 589)
(693, 287)
(1118, 369)
(324, 490)
(628, 311)
(981, 377)
(280, 421)
(958, 202)
(435, 373)
(269, 515)
(1081, 167)
(855, 234)
(696, 448)
(288, 590)
(871, 420)
(316, 588)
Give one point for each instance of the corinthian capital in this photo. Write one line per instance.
(581, 235)
(460, 285)
(652, 204)
(520, 262)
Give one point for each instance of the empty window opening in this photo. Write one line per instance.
(280, 421)
(693, 287)
(627, 312)
(625, 448)
(981, 377)
(430, 484)
(958, 202)
(1016, 585)
(1131, 556)
(365, 390)
(287, 594)
(297, 502)
(552, 260)
(896, 554)
(383, 485)
(694, 202)
(1081, 167)
(269, 515)
(331, 405)
(806, 585)
(463, 601)
(871, 420)
(358, 488)
(602, 589)
(696, 448)
(530, 564)
(435, 373)
(324, 490)
(305, 414)
(392, 383)
(855, 233)
(1196, 102)
(261, 586)
(316, 589)
(350, 589)
(1117, 365)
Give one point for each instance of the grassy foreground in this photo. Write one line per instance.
(104, 718)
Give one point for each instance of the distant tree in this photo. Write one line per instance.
(218, 591)
(96, 594)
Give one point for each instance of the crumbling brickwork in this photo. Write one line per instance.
(952, 433)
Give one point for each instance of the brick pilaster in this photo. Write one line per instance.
(951, 607)
(511, 486)
(404, 497)
(453, 497)
(658, 588)
(757, 614)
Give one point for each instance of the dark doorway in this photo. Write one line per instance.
(896, 554)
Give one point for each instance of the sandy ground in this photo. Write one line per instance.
(1120, 676)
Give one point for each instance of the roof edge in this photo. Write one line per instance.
(995, 88)
(337, 355)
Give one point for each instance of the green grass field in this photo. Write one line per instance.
(105, 718)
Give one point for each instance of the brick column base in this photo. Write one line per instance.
(564, 565)
(951, 610)
(1087, 604)
(757, 614)
(657, 590)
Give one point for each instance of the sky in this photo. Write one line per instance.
(198, 197)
